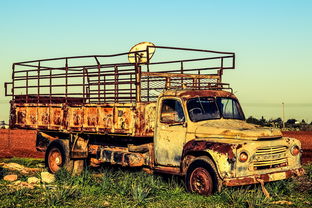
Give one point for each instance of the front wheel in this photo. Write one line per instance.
(201, 177)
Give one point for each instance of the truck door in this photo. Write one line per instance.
(170, 132)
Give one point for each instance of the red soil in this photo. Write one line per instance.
(306, 143)
(18, 143)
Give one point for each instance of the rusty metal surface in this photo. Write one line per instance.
(278, 175)
(120, 156)
(222, 153)
(168, 170)
(198, 145)
(263, 156)
(125, 119)
(85, 79)
(238, 129)
(202, 93)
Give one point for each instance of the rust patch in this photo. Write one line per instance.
(239, 146)
(56, 120)
(21, 117)
(265, 177)
(222, 148)
(168, 170)
(145, 114)
(117, 118)
(206, 93)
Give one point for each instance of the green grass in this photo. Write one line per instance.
(116, 187)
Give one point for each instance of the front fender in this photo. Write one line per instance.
(222, 154)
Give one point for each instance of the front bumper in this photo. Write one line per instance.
(274, 176)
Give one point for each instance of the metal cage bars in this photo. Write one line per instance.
(111, 82)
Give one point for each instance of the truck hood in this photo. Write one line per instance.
(236, 129)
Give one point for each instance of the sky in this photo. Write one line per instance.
(271, 39)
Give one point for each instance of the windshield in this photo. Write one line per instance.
(206, 108)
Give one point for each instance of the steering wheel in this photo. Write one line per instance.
(198, 109)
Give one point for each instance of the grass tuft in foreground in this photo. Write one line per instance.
(116, 187)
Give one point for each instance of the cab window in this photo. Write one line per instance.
(171, 111)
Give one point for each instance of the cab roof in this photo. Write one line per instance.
(190, 93)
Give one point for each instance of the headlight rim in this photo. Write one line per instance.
(239, 156)
(292, 150)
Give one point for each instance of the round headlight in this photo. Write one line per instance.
(295, 150)
(243, 157)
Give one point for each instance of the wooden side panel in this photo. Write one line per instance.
(145, 117)
(106, 119)
(123, 117)
(129, 119)
(90, 118)
(31, 117)
(75, 118)
(43, 117)
(56, 117)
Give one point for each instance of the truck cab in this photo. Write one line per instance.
(204, 133)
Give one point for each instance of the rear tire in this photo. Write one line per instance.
(57, 157)
(202, 177)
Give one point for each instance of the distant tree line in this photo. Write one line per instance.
(291, 124)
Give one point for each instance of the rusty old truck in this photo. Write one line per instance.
(172, 115)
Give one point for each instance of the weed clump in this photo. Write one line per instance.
(122, 187)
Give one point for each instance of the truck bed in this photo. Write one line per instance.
(104, 94)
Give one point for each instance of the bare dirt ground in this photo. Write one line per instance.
(21, 143)
(18, 143)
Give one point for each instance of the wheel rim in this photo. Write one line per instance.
(201, 182)
(55, 160)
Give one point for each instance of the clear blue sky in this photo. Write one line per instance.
(272, 40)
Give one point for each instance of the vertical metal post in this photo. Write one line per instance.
(38, 82)
(27, 87)
(167, 82)
(99, 83)
(137, 78)
(50, 85)
(89, 86)
(104, 87)
(220, 71)
(66, 79)
(99, 79)
(116, 84)
(138, 82)
(13, 79)
(148, 84)
(131, 90)
(83, 86)
(198, 80)
(148, 70)
(181, 68)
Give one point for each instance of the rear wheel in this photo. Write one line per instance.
(57, 156)
(201, 177)
(55, 160)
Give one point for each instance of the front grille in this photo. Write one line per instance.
(270, 157)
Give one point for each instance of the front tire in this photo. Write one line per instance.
(201, 177)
